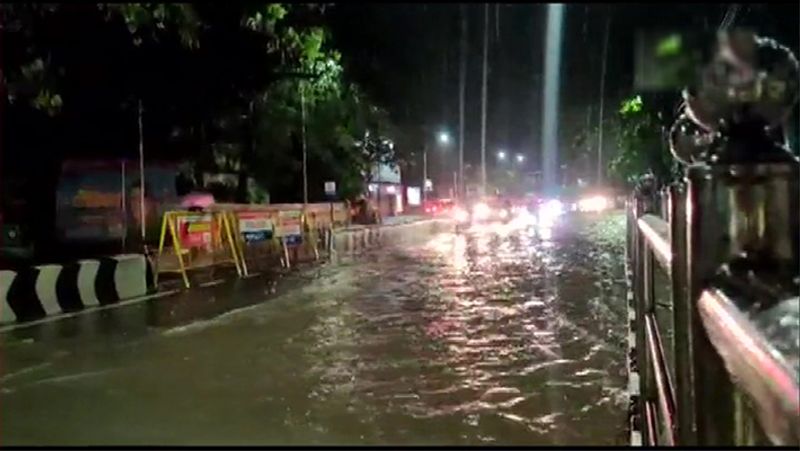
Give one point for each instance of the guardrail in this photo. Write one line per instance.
(727, 239)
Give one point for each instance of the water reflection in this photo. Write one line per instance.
(500, 337)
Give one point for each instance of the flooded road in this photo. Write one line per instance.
(496, 337)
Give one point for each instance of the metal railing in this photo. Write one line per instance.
(728, 243)
(727, 236)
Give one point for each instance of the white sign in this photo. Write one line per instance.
(428, 185)
(254, 223)
(385, 173)
(413, 195)
(290, 223)
(330, 188)
(255, 226)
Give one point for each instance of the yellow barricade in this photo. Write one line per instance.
(293, 231)
(228, 233)
(199, 240)
(253, 225)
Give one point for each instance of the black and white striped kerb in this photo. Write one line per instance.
(46, 290)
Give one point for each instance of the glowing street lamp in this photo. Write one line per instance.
(520, 158)
(501, 155)
(444, 138)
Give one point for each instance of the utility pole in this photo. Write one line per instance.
(424, 172)
(462, 80)
(142, 217)
(602, 99)
(483, 95)
(587, 157)
(497, 22)
(303, 143)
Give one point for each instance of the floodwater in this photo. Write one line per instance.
(492, 337)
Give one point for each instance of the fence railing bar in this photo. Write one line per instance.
(755, 365)
(656, 231)
(651, 423)
(666, 394)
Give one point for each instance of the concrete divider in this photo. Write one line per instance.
(45, 290)
(356, 239)
(130, 277)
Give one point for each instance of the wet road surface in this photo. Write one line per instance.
(503, 336)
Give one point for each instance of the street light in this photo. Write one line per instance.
(501, 155)
(520, 158)
(443, 138)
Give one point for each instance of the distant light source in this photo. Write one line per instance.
(390, 189)
(444, 138)
(520, 158)
(501, 155)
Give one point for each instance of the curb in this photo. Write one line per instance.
(630, 364)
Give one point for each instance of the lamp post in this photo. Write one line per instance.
(443, 138)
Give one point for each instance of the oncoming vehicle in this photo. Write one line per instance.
(590, 200)
(438, 206)
(483, 211)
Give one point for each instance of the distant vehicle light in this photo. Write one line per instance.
(460, 214)
(593, 204)
(481, 211)
(553, 207)
(550, 210)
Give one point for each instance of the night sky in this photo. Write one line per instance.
(409, 54)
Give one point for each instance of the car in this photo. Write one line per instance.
(438, 206)
(482, 211)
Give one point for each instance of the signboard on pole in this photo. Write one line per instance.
(386, 173)
(330, 188)
(195, 230)
(413, 196)
(290, 226)
(256, 226)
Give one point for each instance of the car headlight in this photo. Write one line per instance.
(460, 215)
(593, 203)
(552, 207)
(481, 211)
(550, 210)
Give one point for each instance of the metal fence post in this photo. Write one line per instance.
(681, 319)
(644, 202)
(713, 400)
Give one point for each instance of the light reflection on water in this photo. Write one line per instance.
(500, 338)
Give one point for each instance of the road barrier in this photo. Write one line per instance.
(244, 234)
(45, 290)
(199, 240)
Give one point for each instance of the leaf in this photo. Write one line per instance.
(669, 46)
(632, 105)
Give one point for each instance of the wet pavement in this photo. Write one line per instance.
(498, 336)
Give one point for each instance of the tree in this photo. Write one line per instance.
(640, 143)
